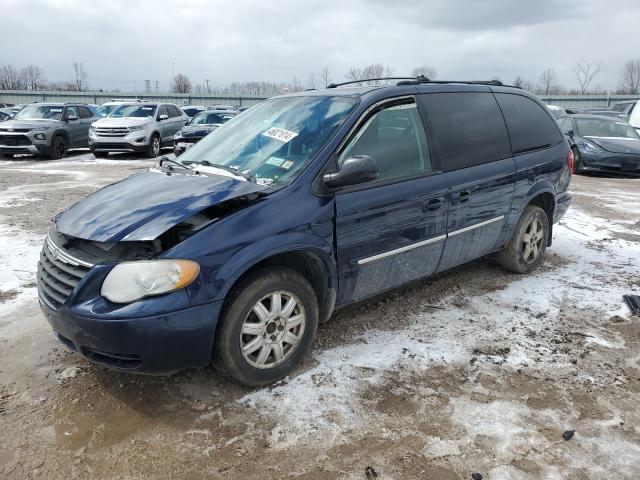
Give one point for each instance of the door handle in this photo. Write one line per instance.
(464, 196)
(433, 204)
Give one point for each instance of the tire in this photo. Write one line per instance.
(101, 154)
(515, 256)
(577, 169)
(251, 357)
(154, 147)
(59, 147)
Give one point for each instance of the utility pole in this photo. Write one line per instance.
(207, 82)
(157, 86)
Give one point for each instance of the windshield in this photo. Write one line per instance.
(139, 111)
(47, 112)
(204, 118)
(274, 140)
(106, 109)
(592, 127)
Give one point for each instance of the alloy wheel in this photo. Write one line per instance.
(532, 241)
(60, 147)
(156, 146)
(272, 329)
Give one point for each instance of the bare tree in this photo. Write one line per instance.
(630, 77)
(81, 76)
(10, 78)
(325, 76)
(311, 81)
(548, 82)
(181, 84)
(364, 75)
(425, 71)
(523, 83)
(147, 86)
(585, 72)
(33, 77)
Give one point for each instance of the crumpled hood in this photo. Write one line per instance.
(617, 145)
(122, 121)
(27, 124)
(147, 204)
(197, 131)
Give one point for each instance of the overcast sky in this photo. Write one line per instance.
(122, 42)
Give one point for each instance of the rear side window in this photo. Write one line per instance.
(530, 126)
(173, 111)
(467, 128)
(162, 111)
(85, 112)
(395, 139)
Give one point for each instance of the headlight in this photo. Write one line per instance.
(39, 129)
(131, 281)
(137, 128)
(590, 147)
(177, 135)
(92, 128)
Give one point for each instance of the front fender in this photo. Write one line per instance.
(249, 256)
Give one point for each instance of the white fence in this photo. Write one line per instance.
(97, 98)
(23, 96)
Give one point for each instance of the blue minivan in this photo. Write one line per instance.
(304, 203)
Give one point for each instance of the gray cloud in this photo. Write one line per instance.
(122, 43)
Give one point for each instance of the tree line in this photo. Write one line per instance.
(32, 77)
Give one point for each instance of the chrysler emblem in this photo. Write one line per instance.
(10, 130)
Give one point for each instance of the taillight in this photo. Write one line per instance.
(570, 160)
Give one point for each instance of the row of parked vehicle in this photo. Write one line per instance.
(51, 129)
(603, 140)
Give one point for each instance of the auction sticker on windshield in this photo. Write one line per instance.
(280, 134)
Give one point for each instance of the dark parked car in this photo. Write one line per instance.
(192, 110)
(199, 127)
(47, 129)
(304, 203)
(603, 144)
(5, 114)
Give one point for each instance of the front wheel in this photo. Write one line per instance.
(153, 150)
(59, 147)
(525, 251)
(267, 327)
(577, 168)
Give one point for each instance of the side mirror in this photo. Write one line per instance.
(164, 116)
(71, 118)
(358, 169)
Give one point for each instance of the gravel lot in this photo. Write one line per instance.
(476, 370)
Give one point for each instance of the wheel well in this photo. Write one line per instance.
(62, 133)
(546, 202)
(311, 267)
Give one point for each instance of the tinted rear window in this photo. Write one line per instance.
(530, 126)
(467, 128)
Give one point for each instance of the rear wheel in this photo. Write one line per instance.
(525, 251)
(58, 147)
(267, 327)
(153, 150)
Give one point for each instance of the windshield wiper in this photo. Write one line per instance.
(175, 162)
(234, 170)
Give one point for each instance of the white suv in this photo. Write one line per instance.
(136, 127)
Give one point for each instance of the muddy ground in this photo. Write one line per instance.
(474, 371)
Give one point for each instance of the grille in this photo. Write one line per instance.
(17, 130)
(14, 140)
(111, 132)
(58, 273)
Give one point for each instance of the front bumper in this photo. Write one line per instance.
(155, 344)
(133, 142)
(624, 164)
(24, 143)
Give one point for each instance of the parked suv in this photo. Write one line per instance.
(47, 129)
(304, 203)
(136, 127)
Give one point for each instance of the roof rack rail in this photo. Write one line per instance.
(422, 79)
(350, 82)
